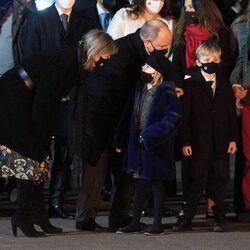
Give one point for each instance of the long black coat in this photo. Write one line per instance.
(209, 123)
(44, 31)
(26, 114)
(108, 90)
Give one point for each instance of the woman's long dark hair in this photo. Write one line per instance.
(170, 9)
(208, 15)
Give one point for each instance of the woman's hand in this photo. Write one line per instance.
(232, 147)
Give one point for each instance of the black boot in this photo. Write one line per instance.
(38, 213)
(22, 217)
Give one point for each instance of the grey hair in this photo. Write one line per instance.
(151, 28)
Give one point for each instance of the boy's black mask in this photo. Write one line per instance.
(210, 67)
(190, 17)
(146, 77)
(101, 62)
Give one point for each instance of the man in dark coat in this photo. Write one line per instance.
(49, 30)
(108, 90)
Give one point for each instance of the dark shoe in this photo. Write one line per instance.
(89, 225)
(220, 225)
(43, 222)
(129, 229)
(121, 224)
(60, 212)
(182, 225)
(25, 225)
(152, 232)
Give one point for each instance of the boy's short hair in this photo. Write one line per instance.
(208, 48)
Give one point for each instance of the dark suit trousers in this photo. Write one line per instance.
(60, 171)
(218, 170)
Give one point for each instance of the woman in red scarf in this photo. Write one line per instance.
(200, 21)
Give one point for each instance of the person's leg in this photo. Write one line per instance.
(22, 216)
(60, 174)
(198, 173)
(38, 213)
(220, 182)
(141, 187)
(90, 194)
(122, 194)
(158, 195)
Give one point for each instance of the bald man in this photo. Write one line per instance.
(108, 90)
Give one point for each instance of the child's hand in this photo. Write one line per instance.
(232, 147)
(187, 150)
(118, 150)
(179, 92)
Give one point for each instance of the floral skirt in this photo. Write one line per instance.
(13, 164)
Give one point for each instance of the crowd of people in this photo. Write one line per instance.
(121, 90)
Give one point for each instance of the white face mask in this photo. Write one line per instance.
(154, 6)
(66, 4)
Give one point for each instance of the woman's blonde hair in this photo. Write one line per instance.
(96, 42)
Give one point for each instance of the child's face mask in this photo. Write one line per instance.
(210, 67)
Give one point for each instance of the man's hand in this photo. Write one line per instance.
(118, 150)
(187, 150)
(232, 147)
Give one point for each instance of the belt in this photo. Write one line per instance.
(25, 77)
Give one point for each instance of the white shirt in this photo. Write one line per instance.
(60, 12)
(122, 24)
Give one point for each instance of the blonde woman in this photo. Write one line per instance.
(29, 95)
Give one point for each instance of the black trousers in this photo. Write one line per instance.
(60, 173)
(218, 172)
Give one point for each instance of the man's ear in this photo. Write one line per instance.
(148, 46)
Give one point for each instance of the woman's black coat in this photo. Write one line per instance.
(26, 114)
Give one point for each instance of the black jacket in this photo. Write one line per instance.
(26, 114)
(209, 123)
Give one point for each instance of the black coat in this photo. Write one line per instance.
(209, 123)
(26, 114)
(179, 58)
(108, 89)
(44, 31)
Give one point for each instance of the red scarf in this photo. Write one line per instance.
(194, 36)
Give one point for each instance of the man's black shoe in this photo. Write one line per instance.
(89, 225)
(60, 212)
(182, 225)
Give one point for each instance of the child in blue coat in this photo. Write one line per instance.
(146, 135)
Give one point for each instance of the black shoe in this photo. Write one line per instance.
(220, 225)
(60, 212)
(89, 225)
(182, 225)
(122, 223)
(152, 232)
(129, 229)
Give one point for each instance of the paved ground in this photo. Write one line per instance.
(201, 237)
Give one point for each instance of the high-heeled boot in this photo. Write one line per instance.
(38, 213)
(21, 218)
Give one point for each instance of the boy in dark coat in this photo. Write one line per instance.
(146, 133)
(208, 134)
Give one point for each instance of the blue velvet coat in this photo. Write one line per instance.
(153, 158)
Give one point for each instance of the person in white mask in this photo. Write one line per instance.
(128, 20)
